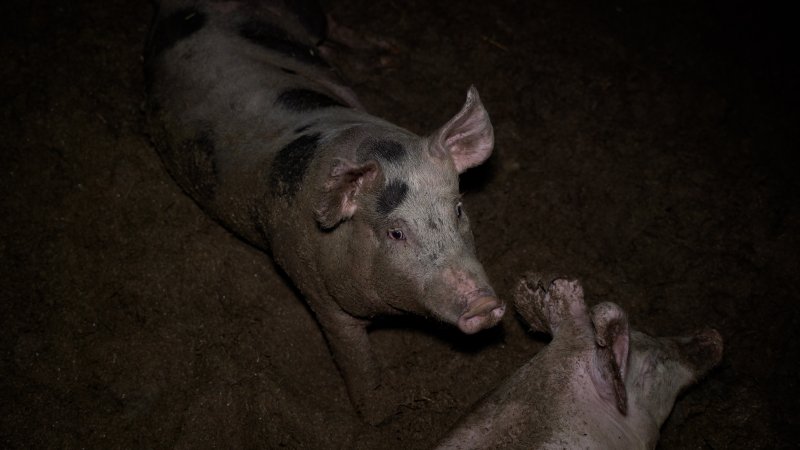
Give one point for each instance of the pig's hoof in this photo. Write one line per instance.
(541, 299)
(530, 300)
(360, 40)
(564, 289)
(542, 280)
(356, 53)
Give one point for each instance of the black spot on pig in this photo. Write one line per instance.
(387, 150)
(289, 71)
(300, 100)
(391, 197)
(302, 129)
(169, 31)
(278, 40)
(432, 224)
(291, 163)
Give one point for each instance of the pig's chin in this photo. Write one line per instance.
(484, 312)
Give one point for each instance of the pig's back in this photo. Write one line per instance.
(231, 85)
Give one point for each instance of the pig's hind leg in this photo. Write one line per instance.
(357, 54)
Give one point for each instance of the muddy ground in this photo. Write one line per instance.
(646, 147)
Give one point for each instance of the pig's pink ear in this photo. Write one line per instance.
(337, 201)
(612, 336)
(468, 137)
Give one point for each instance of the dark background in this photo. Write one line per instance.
(647, 147)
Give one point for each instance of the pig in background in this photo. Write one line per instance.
(364, 216)
(597, 384)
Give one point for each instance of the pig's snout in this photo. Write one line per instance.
(702, 351)
(482, 312)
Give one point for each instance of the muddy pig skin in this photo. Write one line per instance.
(364, 216)
(597, 385)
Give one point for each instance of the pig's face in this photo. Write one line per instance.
(410, 244)
(425, 255)
(660, 368)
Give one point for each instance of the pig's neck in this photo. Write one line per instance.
(638, 426)
(610, 428)
(640, 420)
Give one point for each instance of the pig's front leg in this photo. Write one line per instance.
(351, 349)
(533, 301)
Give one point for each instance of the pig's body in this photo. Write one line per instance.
(363, 215)
(597, 385)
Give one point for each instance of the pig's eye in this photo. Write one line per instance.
(459, 210)
(397, 235)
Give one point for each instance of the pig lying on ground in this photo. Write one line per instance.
(597, 385)
(364, 216)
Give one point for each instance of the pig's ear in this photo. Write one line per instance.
(468, 137)
(612, 336)
(337, 201)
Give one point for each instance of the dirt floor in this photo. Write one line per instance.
(647, 147)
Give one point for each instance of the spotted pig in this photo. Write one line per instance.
(364, 216)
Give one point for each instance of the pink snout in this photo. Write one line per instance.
(482, 312)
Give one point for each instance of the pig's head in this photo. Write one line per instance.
(660, 368)
(650, 372)
(638, 375)
(412, 247)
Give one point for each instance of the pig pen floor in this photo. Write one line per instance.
(645, 147)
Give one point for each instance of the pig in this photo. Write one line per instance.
(598, 384)
(365, 217)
